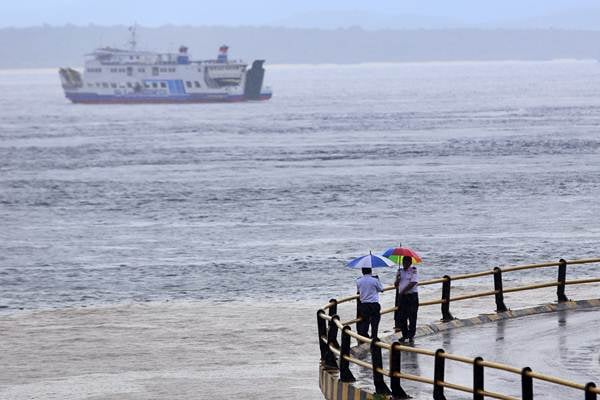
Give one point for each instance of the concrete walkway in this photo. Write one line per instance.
(564, 344)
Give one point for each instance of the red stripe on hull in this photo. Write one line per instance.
(165, 101)
(239, 99)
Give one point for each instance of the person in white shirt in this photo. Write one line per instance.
(368, 287)
(407, 284)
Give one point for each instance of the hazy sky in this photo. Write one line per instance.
(271, 12)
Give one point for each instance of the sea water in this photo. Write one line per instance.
(181, 251)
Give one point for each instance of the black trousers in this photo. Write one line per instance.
(406, 315)
(370, 314)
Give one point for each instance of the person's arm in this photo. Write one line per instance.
(407, 288)
(379, 284)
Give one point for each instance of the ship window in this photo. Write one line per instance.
(113, 85)
(155, 71)
(129, 85)
(141, 70)
(197, 84)
(163, 70)
(104, 84)
(98, 84)
(154, 85)
(90, 85)
(188, 84)
(163, 85)
(146, 85)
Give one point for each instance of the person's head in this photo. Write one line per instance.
(367, 271)
(406, 262)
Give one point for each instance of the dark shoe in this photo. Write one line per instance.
(411, 340)
(403, 339)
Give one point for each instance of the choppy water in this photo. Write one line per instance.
(472, 164)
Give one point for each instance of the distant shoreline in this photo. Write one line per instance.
(53, 69)
(52, 46)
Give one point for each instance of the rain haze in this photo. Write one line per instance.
(577, 14)
(184, 184)
(39, 34)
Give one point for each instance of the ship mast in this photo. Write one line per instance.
(133, 41)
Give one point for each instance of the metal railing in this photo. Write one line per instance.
(334, 356)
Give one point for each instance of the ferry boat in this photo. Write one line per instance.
(115, 75)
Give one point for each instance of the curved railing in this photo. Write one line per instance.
(334, 356)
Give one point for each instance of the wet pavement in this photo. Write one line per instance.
(563, 344)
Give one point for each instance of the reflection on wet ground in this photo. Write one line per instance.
(564, 344)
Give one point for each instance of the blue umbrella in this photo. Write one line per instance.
(370, 261)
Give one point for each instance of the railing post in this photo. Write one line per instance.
(397, 312)
(438, 375)
(500, 306)
(478, 379)
(589, 395)
(330, 360)
(377, 362)
(357, 314)
(345, 373)
(526, 384)
(446, 316)
(395, 359)
(322, 330)
(333, 307)
(332, 312)
(562, 277)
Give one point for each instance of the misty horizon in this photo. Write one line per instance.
(410, 14)
(48, 46)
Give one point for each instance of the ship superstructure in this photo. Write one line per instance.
(113, 75)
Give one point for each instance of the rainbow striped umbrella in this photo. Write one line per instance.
(370, 261)
(397, 253)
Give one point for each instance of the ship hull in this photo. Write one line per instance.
(115, 76)
(93, 98)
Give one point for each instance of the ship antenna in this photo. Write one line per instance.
(133, 41)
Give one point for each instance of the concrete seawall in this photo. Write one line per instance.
(333, 389)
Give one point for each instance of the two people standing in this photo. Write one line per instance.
(407, 301)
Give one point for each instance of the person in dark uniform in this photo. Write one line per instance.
(407, 284)
(368, 287)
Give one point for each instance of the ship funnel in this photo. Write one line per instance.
(182, 57)
(222, 57)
